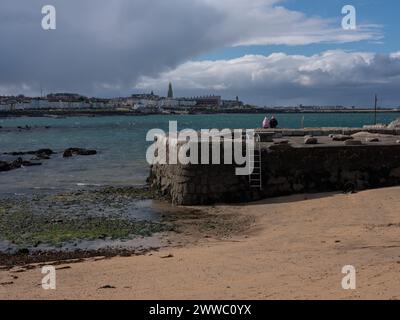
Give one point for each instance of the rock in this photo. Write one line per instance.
(349, 188)
(18, 163)
(310, 140)
(40, 157)
(4, 166)
(78, 152)
(41, 153)
(278, 145)
(398, 141)
(394, 125)
(341, 137)
(67, 153)
(30, 164)
(15, 153)
(24, 128)
(353, 143)
(107, 286)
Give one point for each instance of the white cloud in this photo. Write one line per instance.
(280, 77)
(265, 22)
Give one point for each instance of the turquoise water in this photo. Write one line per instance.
(120, 141)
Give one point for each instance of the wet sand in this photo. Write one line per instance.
(295, 249)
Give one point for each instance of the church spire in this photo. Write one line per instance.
(170, 92)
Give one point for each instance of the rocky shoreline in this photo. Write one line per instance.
(99, 223)
(26, 260)
(37, 155)
(33, 228)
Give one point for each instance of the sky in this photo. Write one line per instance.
(267, 52)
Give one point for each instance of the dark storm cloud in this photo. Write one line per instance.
(102, 47)
(99, 45)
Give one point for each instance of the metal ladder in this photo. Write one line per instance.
(255, 179)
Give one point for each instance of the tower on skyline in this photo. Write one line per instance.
(170, 91)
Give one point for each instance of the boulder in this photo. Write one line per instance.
(18, 163)
(310, 140)
(350, 187)
(43, 154)
(394, 125)
(4, 166)
(78, 152)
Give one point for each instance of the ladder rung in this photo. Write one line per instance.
(255, 180)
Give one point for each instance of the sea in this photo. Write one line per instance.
(121, 145)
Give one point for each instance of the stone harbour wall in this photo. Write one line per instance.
(285, 170)
(199, 184)
(349, 168)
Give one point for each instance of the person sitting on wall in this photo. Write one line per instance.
(273, 123)
(265, 123)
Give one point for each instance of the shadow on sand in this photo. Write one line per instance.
(290, 198)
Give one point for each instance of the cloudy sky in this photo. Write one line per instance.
(268, 52)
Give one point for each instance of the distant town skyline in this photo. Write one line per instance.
(293, 52)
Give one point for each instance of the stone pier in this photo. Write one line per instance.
(345, 159)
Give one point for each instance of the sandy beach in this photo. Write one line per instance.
(295, 249)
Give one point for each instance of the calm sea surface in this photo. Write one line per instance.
(121, 143)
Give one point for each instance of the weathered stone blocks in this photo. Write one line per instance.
(285, 170)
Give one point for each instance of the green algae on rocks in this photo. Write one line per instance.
(84, 215)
